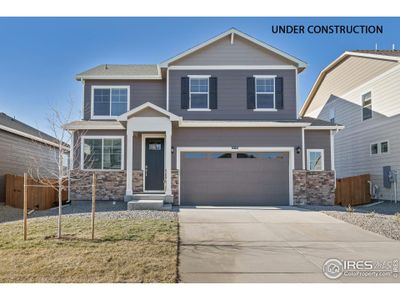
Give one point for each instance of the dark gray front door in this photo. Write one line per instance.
(154, 171)
(235, 179)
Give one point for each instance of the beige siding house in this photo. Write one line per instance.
(361, 91)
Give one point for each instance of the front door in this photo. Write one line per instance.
(154, 169)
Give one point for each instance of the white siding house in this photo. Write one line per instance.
(361, 90)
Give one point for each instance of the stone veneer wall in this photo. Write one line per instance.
(313, 187)
(110, 185)
(175, 186)
(137, 178)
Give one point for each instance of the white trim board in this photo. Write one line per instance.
(290, 150)
(83, 137)
(233, 67)
(184, 123)
(143, 156)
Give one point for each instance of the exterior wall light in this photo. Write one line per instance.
(298, 149)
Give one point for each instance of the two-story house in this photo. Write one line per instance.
(214, 125)
(360, 90)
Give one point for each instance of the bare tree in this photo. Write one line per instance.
(56, 172)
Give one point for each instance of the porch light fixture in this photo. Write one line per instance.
(172, 149)
(298, 149)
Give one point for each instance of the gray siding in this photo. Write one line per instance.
(19, 154)
(352, 144)
(141, 91)
(244, 137)
(241, 52)
(319, 139)
(232, 95)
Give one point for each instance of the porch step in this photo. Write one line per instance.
(148, 197)
(148, 205)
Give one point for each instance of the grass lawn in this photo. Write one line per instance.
(125, 250)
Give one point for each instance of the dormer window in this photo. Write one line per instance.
(109, 101)
(199, 92)
(265, 92)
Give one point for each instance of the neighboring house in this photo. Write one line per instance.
(214, 125)
(24, 149)
(361, 91)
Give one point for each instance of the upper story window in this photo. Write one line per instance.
(199, 92)
(366, 106)
(265, 92)
(109, 101)
(315, 159)
(102, 153)
(379, 148)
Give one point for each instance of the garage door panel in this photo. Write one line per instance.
(208, 180)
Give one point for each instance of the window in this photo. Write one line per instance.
(332, 115)
(263, 155)
(384, 147)
(207, 155)
(379, 148)
(110, 101)
(374, 149)
(265, 92)
(199, 93)
(315, 159)
(102, 153)
(366, 106)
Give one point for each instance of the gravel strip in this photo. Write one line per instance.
(382, 218)
(104, 210)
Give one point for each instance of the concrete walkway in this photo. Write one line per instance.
(273, 245)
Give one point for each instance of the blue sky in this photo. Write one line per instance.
(39, 57)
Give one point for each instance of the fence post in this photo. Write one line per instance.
(25, 206)
(93, 202)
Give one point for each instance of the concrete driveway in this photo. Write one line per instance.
(273, 245)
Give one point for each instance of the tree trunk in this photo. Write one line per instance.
(60, 186)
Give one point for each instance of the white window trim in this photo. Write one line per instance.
(103, 117)
(264, 93)
(362, 106)
(190, 92)
(322, 159)
(102, 137)
(379, 148)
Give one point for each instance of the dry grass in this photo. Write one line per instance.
(126, 250)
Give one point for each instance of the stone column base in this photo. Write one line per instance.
(313, 187)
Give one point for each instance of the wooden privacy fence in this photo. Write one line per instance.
(353, 190)
(40, 196)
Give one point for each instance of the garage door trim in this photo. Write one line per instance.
(290, 150)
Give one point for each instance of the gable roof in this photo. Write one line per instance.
(14, 126)
(129, 71)
(388, 55)
(146, 105)
(300, 64)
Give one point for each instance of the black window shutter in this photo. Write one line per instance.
(213, 93)
(185, 92)
(251, 93)
(278, 92)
